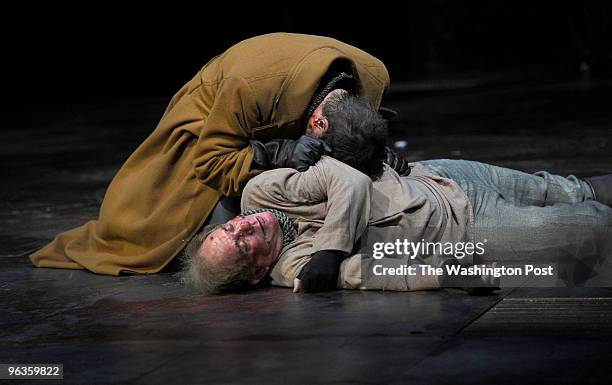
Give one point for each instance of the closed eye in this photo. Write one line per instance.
(242, 246)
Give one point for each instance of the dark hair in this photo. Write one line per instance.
(356, 133)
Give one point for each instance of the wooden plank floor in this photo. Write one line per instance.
(148, 329)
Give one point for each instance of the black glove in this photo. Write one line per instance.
(396, 162)
(321, 272)
(298, 154)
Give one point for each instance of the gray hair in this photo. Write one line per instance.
(207, 278)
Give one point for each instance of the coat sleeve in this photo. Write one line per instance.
(224, 154)
(330, 191)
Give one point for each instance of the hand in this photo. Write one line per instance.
(307, 152)
(396, 162)
(320, 273)
(299, 154)
(297, 285)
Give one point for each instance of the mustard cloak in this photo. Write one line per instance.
(199, 151)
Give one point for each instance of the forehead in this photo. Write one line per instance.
(218, 247)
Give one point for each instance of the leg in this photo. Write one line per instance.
(516, 187)
(574, 237)
(602, 188)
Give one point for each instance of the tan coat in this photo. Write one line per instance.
(336, 207)
(257, 89)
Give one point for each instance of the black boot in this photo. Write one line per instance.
(602, 188)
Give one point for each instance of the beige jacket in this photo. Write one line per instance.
(336, 207)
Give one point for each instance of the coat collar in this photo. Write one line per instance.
(303, 80)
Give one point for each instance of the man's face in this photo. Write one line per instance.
(255, 238)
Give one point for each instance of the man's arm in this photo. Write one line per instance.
(229, 157)
(224, 163)
(278, 153)
(329, 191)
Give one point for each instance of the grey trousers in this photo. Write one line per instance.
(532, 218)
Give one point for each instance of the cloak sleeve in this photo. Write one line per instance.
(330, 191)
(225, 156)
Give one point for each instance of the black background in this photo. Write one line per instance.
(57, 57)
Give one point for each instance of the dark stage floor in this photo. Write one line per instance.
(149, 330)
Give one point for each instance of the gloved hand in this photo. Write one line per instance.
(321, 272)
(396, 162)
(298, 154)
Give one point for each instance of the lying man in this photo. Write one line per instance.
(320, 229)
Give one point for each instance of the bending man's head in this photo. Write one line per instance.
(233, 255)
(353, 128)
